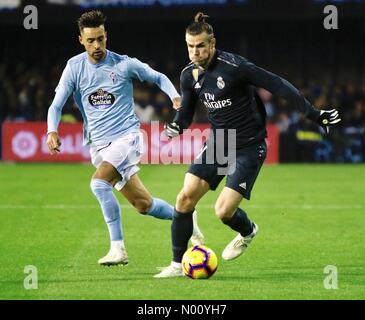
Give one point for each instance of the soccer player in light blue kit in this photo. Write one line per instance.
(101, 83)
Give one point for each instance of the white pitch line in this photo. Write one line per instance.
(204, 206)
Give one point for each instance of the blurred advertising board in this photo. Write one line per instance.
(26, 142)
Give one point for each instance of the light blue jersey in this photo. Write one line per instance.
(103, 93)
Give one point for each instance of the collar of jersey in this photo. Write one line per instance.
(97, 65)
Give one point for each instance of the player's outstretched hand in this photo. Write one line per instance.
(176, 102)
(53, 142)
(172, 129)
(328, 118)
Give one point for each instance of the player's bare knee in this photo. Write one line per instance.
(222, 212)
(184, 202)
(142, 205)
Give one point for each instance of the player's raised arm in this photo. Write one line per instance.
(143, 72)
(283, 88)
(63, 91)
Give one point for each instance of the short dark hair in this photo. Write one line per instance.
(91, 19)
(199, 25)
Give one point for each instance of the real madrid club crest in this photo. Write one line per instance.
(220, 83)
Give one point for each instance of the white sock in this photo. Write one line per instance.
(118, 244)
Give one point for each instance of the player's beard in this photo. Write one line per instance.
(201, 63)
(206, 62)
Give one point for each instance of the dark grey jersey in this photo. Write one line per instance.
(228, 91)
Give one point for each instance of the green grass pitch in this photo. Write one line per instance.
(310, 216)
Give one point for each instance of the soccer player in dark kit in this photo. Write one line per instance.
(226, 84)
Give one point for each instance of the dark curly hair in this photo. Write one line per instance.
(91, 19)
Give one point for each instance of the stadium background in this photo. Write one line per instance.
(285, 37)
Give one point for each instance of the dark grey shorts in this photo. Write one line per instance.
(246, 167)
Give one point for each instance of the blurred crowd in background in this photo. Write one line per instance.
(27, 92)
(30, 71)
